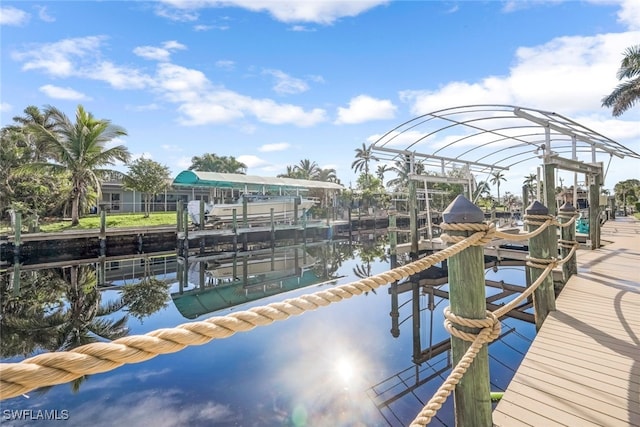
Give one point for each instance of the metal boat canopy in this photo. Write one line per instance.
(252, 183)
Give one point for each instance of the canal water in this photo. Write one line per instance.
(347, 364)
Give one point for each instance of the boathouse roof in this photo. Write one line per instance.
(191, 178)
(484, 138)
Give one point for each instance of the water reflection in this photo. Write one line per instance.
(226, 282)
(336, 366)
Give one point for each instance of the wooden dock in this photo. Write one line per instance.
(583, 368)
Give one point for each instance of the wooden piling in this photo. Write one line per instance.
(273, 229)
(103, 232)
(472, 401)
(413, 218)
(540, 246)
(594, 211)
(17, 242)
(393, 235)
(568, 234)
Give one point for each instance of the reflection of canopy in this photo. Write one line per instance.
(197, 302)
(250, 182)
(486, 137)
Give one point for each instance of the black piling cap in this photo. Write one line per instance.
(567, 207)
(462, 211)
(537, 208)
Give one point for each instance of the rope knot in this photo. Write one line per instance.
(542, 263)
(488, 229)
(538, 219)
(489, 327)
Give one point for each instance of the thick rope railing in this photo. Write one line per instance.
(60, 367)
(490, 326)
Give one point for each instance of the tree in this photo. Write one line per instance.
(363, 157)
(307, 169)
(627, 192)
(495, 179)
(79, 149)
(327, 175)
(148, 177)
(627, 93)
(39, 147)
(210, 162)
(380, 171)
(531, 181)
(482, 190)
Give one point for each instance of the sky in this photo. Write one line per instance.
(275, 82)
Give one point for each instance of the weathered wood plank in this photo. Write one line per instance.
(583, 368)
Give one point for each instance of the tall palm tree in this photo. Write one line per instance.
(307, 169)
(380, 171)
(39, 147)
(291, 172)
(627, 93)
(80, 150)
(363, 157)
(495, 179)
(531, 181)
(482, 189)
(327, 175)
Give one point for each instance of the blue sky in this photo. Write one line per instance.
(272, 83)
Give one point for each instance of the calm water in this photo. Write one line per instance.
(337, 366)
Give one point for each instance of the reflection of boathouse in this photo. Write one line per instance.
(227, 282)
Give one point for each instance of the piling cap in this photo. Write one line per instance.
(462, 211)
(567, 207)
(537, 208)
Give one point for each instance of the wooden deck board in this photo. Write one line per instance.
(583, 367)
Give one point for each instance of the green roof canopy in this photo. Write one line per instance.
(190, 178)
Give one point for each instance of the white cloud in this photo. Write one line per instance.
(629, 14)
(118, 77)
(159, 53)
(285, 84)
(225, 64)
(202, 27)
(5, 107)
(364, 108)
(171, 148)
(568, 75)
(147, 107)
(57, 92)
(10, 15)
(252, 161)
(279, 146)
(44, 15)
(60, 59)
(321, 12)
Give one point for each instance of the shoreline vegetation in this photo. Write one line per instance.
(113, 221)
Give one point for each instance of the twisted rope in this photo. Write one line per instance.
(61, 367)
(489, 332)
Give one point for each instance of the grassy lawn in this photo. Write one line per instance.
(113, 221)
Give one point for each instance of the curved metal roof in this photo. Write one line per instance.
(493, 137)
(251, 182)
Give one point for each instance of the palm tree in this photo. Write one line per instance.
(402, 168)
(482, 189)
(291, 172)
(496, 177)
(79, 150)
(39, 147)
(380, 171)
(363, 157)
(531, 181)
(627, 93)
(307, 169)
(327, 175)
